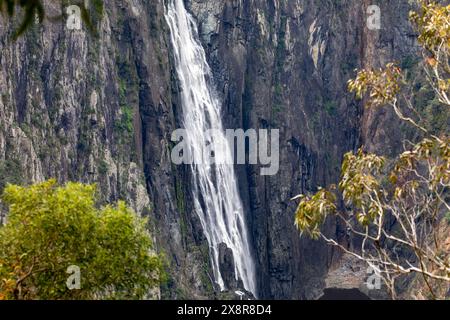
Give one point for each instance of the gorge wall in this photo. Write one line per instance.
(102, 108)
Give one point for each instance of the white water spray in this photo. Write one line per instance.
(216, 196)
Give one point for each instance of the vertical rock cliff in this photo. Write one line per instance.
(102, 108)
(285, 65)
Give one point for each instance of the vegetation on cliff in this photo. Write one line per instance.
(55, 233)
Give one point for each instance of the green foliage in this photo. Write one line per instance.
(312, 212)
(33, 9)
(432, 23)
(128, 98)
(125, 123)
(361, 184)
(50, 228)
(10, 172)
(381, 85)
(437, 118)
(434, 152)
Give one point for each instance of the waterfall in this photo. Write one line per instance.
(215, 190)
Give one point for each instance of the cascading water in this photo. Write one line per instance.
(216, 196)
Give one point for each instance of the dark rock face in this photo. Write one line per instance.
(235, 287)
(226, 264)
(102, 110)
